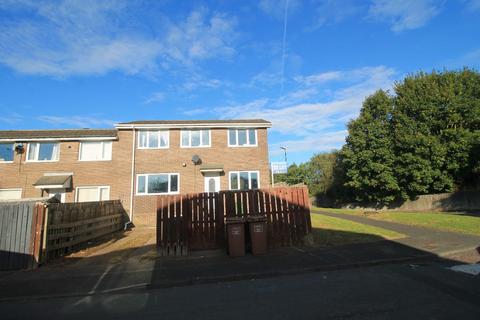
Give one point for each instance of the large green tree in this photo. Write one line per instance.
(423, 139)
(368, 157)
(435, 129)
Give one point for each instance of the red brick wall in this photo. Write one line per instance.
(117, 172)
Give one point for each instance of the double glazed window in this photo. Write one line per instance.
(244, 180)
(10, 194)
(95, 151)
(157, 183)
(93, 193)
(195, 138)
(6, 152)
(156, 139)
(43, 151)
(242, 137)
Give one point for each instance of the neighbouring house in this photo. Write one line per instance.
(135, 162)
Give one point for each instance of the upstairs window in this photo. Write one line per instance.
(95, 151)
(244, 180)
(195, 138)
(155, 139)
(162, 183)
(242, 137)
(6, 152)
(43, 151)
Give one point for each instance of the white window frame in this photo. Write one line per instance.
(89, 187)
(146, 175)
(158, 137)
(248, 144)
(109, 158)
(13, 153)
(190, 138)
(38, 151)
(249, 179)
(13, 189)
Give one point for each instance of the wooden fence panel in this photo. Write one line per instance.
(197, 221)
(19, 234)
(71, 225)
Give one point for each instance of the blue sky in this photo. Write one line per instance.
(82, 63)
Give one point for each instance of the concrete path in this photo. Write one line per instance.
(438, 242)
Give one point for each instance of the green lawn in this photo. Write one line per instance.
(328, 231)
(447, 221)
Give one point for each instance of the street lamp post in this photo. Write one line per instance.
(284, 153)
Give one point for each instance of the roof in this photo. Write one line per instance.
(67, 134)
(63, 181)
(196, 123)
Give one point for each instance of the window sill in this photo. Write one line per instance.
(197, 147)
(155, 194)
(40, 161)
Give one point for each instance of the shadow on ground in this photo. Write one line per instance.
(130, 266)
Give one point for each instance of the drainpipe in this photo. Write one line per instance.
(132, 184)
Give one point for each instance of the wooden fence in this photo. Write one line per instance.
(70, 225)
(20, 234)
(196, 221)
(33, 232)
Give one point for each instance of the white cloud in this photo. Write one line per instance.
(199, 37)
(319, 78)
(276, 8)
(469, 59)
(195, 112)
(405, 14)
(77, 37)
(155, 97)
(473, 5)
(78, 121)
(321, 143)
(329, 12)
(314, 123)
(11, 118)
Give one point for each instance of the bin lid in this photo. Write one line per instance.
(230, 220)
(256, 218)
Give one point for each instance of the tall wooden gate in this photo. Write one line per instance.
(20, 234)
(196, 221)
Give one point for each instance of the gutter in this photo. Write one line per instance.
(132, 183)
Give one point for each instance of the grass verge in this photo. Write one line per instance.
(446, 221)
(329, 231)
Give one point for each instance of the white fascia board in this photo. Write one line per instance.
(60, 139)
(211, 170)
(50, 186)
(190, 125)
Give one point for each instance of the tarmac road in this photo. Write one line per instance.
(398, 291)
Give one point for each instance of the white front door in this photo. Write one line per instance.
(212, 182)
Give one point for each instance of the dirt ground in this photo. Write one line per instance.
(114, 249)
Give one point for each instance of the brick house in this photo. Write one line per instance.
(135, 161)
